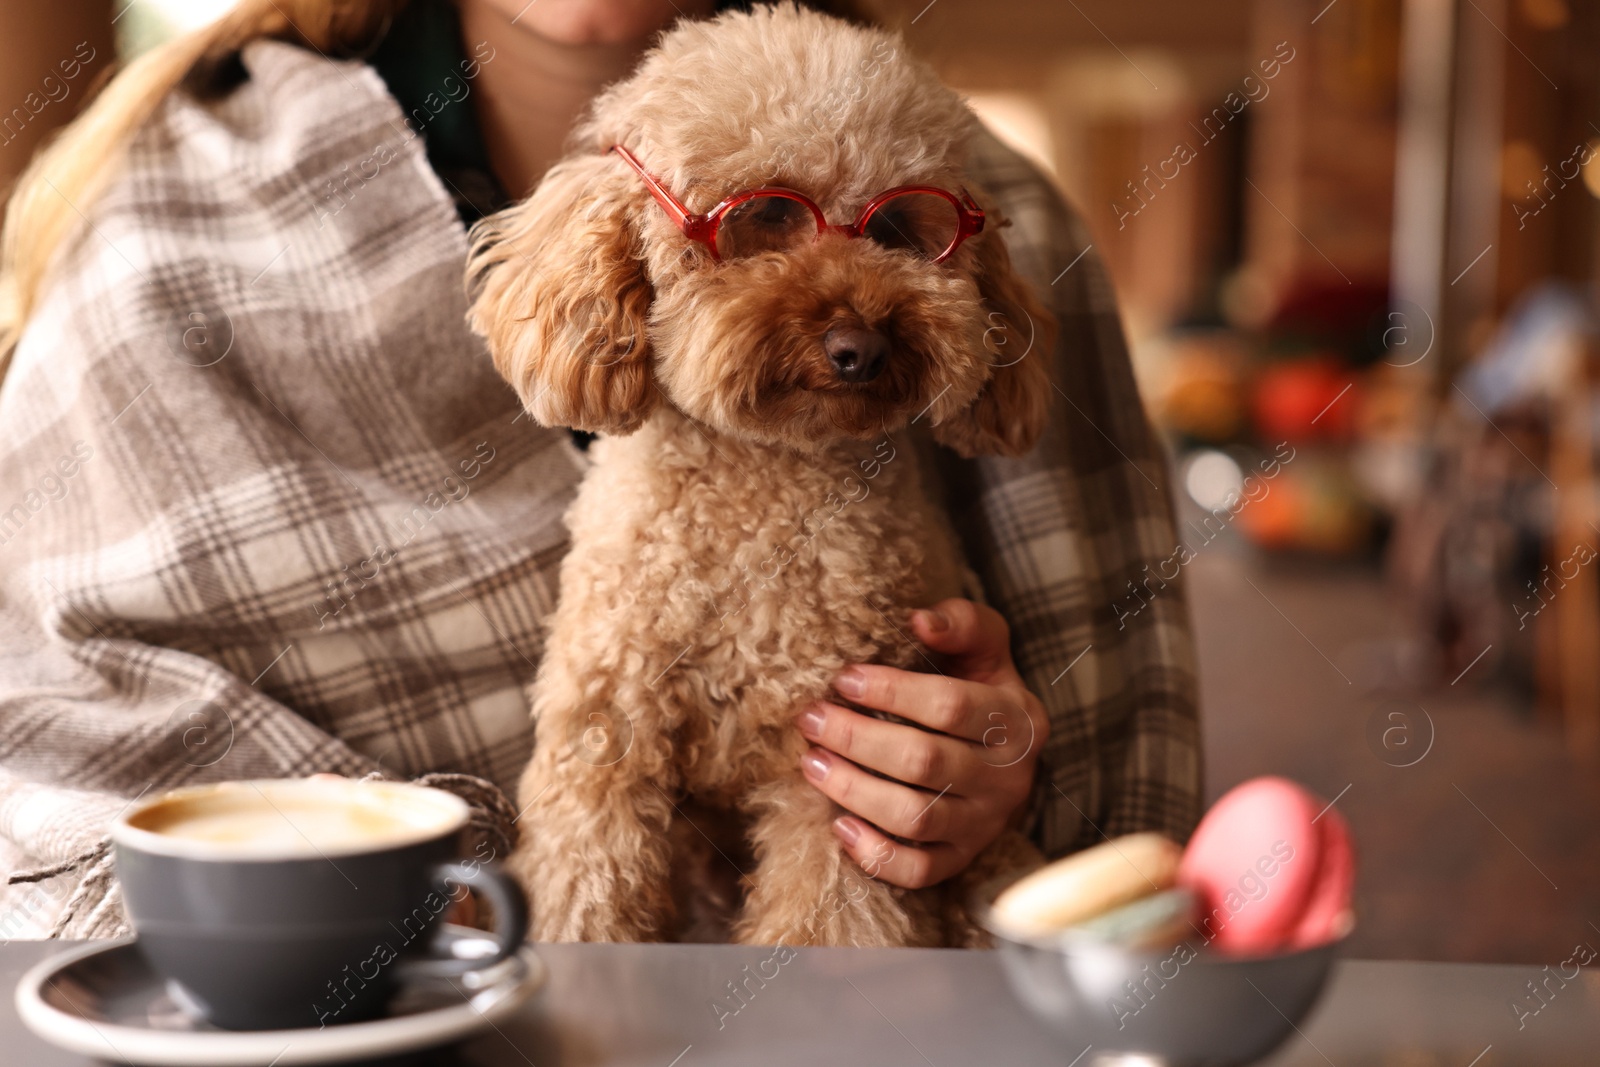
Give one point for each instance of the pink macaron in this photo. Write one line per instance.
(1271, 867)
(1327, 912)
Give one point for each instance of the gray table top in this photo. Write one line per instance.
(657, 1006)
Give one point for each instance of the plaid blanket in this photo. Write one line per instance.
(266, 509)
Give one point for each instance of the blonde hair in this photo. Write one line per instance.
(71, 172)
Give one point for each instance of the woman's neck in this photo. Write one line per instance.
(529, 97)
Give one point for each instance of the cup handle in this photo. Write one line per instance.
(510, 919)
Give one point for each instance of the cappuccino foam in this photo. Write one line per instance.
(286, 819)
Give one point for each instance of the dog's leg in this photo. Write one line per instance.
(595, 851)
(806, 891)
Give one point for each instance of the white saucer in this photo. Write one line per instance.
(104, 1001)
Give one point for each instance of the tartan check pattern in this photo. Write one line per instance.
(266, 509)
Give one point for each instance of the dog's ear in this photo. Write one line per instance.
(561, 298)
(1009, 414)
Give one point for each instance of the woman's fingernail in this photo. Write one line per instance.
(847, 829)
(850, 682)
(934, 620)
(815, 765)
(811, 723)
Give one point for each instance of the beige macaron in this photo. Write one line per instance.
(1089, 883)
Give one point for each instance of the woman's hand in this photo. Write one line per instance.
(953, 791)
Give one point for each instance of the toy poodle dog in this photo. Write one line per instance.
(758, 269)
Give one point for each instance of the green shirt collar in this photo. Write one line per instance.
(429, 71)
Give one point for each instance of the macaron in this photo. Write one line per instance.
(1272, 868)
(1327, 914)
(1088, 883)
(1160, 920)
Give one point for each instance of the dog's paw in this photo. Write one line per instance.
(585, 905)
(584, 894)
(857, 912)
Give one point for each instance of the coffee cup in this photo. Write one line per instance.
(303, 902)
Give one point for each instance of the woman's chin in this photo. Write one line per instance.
(596, 22)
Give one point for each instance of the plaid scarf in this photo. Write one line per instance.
(266, 509)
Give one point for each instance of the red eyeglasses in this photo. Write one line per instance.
(922, 219)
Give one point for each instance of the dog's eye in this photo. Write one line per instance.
(775, 211)
(891, 229)
(917, 222)
(767, 223)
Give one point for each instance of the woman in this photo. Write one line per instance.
(270, 512)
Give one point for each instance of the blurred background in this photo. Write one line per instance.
(1355, 244)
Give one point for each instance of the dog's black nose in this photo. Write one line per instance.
(857, 354)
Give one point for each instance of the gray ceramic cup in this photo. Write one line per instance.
(301, 903)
